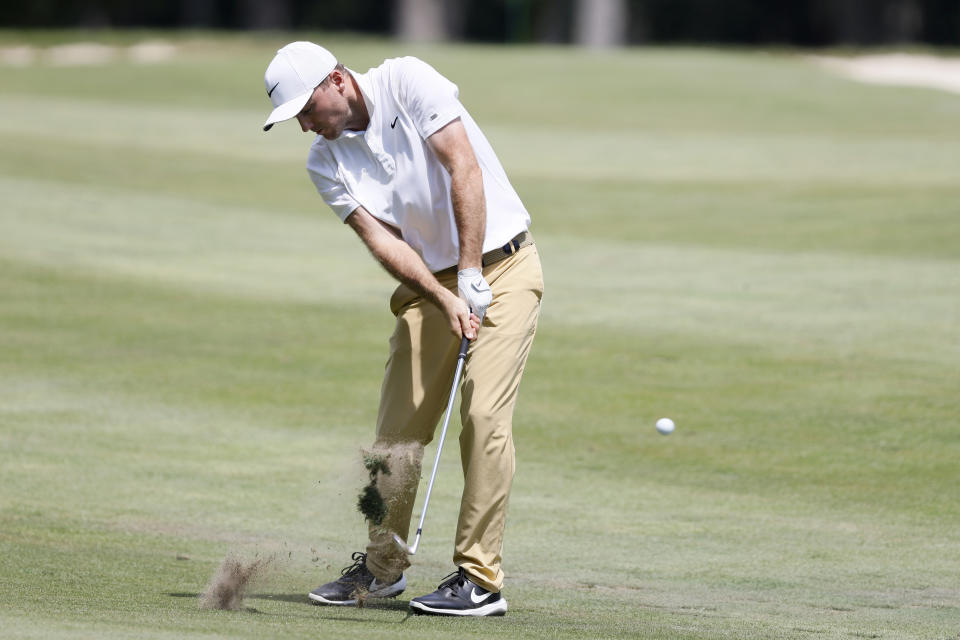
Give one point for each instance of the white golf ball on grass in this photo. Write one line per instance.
(665, 426)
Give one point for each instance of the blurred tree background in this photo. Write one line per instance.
(589, 22)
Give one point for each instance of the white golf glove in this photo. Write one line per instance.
(474, 290)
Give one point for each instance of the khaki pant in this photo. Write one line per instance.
(416, 387)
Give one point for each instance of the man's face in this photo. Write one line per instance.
(327, 111)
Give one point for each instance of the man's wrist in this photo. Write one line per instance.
(468, 272)
(470, 264)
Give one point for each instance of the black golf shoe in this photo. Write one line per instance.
(356, 582)
(458, 595)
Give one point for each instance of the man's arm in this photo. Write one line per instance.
(452, 147)
(403, 263)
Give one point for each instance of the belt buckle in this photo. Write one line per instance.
(513, 245)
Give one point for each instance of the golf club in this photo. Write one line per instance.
(412, 549)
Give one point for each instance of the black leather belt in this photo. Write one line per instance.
(519, 241)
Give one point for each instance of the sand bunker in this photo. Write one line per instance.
(901, 69)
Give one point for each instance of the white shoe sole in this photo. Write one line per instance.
(497, 608)
(389, 591)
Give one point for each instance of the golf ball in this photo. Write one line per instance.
(665, 426)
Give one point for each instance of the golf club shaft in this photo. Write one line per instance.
(461, 356)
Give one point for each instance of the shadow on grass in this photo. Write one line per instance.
(285, 597)
(391, 604)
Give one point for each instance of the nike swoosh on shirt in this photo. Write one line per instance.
(270, 93)
(394, 122)
(475, 599)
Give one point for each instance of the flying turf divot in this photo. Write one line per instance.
(229, 584)
(370, 502)
(394, 472)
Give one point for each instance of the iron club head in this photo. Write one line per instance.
(403, 545)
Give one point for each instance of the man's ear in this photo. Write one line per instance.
(338, 80)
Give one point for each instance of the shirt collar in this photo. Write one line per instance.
(366, 91)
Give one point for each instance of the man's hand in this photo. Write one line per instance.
(462, 322)
(474, 290)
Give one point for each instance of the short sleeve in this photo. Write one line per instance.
(330, 188)
(428, 97)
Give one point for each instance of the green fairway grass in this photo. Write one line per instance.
(191, 347)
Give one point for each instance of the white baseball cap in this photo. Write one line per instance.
(292, 76)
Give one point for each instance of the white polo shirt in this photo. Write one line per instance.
(391, 172)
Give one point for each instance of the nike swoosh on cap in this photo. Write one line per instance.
(270, 93)
(475, 599)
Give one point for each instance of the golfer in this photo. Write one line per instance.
(399, 159)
